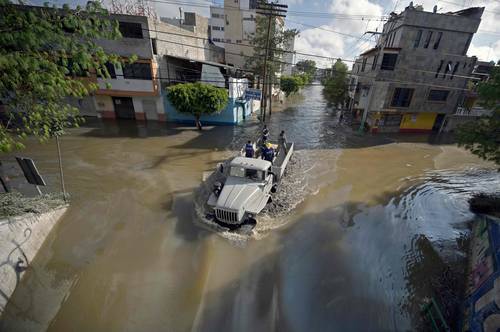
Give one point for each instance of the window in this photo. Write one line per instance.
(416, 43)
(363, 65)
(454, 70)
(402, 97)
(242, 172)
(138, 71)
(75, 70)
(216, 39)
(439, 68)
(436, 44)
(428, 39)
(130, 30)
(389, 61)
(447, 69)
(375, 60)
(154, 45)
(391, 120)
(438, 95)
(111, 69)
(238, 41)
(217, 15)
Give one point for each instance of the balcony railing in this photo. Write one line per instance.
(474, 111)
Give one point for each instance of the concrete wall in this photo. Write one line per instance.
(232, 114)
(20, 240)
(130, 46)
(146, 108)
(176, 41)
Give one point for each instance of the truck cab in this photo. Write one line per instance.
(245, 192)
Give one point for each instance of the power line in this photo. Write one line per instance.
(272, 59)
(293, 13)
(324, 29)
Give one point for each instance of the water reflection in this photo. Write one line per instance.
(359, 255)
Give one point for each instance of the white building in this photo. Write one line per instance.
(233, 27)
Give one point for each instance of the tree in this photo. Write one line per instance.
(482, 137)
(197, 99)
(43, 51)
(290, 84)
(278, 37)
(335, 86)
(307, 67)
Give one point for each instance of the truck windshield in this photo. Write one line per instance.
(246, 173)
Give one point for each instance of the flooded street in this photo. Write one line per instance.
(386, 213)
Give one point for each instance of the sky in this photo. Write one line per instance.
(335, 28)
(323, 18)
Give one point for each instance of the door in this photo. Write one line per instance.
(438, 122)
(124, 108)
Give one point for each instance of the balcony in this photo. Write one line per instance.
(474, 112)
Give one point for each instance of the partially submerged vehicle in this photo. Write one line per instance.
(246, 187)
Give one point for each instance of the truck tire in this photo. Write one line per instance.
(274, 188)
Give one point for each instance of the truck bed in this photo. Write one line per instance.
(281, 160)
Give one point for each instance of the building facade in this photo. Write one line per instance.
(137, 90)
(417, 73)
(133, 91)
(233, 27)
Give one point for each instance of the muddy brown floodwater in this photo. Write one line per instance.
(358, 254)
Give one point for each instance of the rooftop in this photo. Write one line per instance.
(251, 163)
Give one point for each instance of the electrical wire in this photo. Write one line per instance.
(272, 59)
(290, 12)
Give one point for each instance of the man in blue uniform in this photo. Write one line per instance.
(249, 150)
(265, 134)
(269, 153)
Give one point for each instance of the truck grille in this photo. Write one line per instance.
(227, 216)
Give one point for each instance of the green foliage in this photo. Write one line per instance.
(307, 67)
(292, 84)
(277, 39)
(482, 137)
(43, 50)
(197, 98)
(335, 87)
(289, 84)
(489, 92)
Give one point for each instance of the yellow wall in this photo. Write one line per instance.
(423, 121)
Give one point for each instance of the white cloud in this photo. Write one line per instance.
(486, 53)
(319, 42)
(358, 7)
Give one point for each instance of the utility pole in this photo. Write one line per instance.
(370, 96)
(270, 10)
(61, 174)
